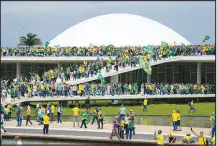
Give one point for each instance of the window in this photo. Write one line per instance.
(177, 77)
(186, 67)
(210, 68)
(193, 77)
(162, 68)
(154, 75)
(177, 68)
(9, 75)
(169, 75)
(186, 77)
(161, 77)
(9, 67)
(203, 76)
(193, 67)
(210, 78)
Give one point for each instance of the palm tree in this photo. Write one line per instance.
(30, 40)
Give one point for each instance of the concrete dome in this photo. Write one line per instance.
(118, 30)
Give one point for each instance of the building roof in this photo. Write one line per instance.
(118, 30)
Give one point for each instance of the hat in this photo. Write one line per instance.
(131, 110)
(174, 111)
(116, 117)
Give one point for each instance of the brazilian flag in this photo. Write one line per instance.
(85, 116)
(149, 49)
(145, 65)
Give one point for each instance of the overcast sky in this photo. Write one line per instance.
(192, 20)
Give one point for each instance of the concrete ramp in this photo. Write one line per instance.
(207, 58)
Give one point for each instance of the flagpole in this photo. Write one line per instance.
(19, 34)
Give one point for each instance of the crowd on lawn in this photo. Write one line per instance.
(181, 50)
(37, 88)
(123, 124)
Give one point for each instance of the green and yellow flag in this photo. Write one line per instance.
(164, 45)
(101, 78)
(145, 65)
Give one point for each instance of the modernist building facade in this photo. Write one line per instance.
(118, 30)
(197, 71)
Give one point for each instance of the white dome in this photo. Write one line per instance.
(118, 30)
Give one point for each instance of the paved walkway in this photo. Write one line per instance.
(140, 129)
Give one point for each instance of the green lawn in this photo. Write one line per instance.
(203, 109)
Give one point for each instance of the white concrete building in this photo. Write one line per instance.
(119, 30)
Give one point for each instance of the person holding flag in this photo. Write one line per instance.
(84, 116)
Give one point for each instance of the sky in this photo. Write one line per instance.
(192, 20)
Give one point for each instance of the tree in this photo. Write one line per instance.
(30, 40)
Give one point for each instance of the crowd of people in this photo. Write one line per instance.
(110, 50)
(53, 82)
(19, 88)
(123, 123)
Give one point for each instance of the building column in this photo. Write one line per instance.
(148, 78)
(198, 72)
(58, 68)
(18, 69)
(114, 79)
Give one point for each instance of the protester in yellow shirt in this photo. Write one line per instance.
(46, 124)
(159, 138)
(52, 112)
(145, 104)
(174, 120)
(100, 118)
(6, 113)
(76, 113)
(188, 139)
(201, 139)
(122, 125)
